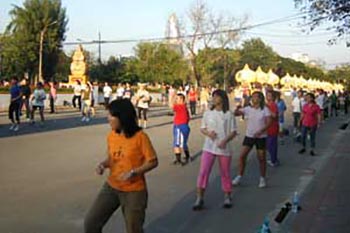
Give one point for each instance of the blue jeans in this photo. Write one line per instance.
(312, 132)
(272, 147)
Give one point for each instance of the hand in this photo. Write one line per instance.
(258, 134)
(222, 145)
(212, 135)
(126, 176)
(100, 169)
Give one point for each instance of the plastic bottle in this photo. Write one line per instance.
(295, 202)
(265, 228)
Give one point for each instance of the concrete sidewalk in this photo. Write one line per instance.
(326, 202)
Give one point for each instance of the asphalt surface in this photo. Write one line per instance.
(48, 182)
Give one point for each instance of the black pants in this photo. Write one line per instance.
(106, 101)
(296, 120)
(76, 97)
(14, 109)
(142, 112)
(334, 108)
(25, 102)
(193, 107)
(52, 104)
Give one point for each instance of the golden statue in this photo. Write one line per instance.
(78, 67)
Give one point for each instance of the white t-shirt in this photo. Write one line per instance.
(120, 91)
(297, 104)
(39, 97)
(143, 96)
(320, 99)
(223, 124)
(77, 90)
(256, 118)
(107, 91)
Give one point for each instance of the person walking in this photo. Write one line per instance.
(38, 99)
(53, 96)
(310, 121)
(258, 121)
(128, 93)
(130, 156)
(192, 97)
(334, 103)
(282, 108)
(219, 128)
(297, 106)
(181, 130)
(273, 130)
(77, 94)
(15, 104)
(204, 99)
(143, 99)
(26, 92)
(107, 93)
(87, 98)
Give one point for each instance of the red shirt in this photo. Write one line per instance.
(192, 96)
(310, 113)
(274, 128)
(181, 114)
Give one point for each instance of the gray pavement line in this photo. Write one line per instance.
(304, 184)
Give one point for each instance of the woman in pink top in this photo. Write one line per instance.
(310, 120)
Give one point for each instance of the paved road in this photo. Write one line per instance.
(47, 181)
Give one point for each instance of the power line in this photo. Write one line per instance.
(271, 22)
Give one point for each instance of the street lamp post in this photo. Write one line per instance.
(42, 34)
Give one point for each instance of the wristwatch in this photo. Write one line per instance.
(133, 173)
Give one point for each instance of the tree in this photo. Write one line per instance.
(157, 62)
(340, 74)
(256, 53)
(209, 30)
(217, 65)
(333, 12)
(36, 18)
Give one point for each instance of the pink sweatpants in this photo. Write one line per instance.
(207, 162)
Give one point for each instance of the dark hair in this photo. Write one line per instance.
(182, 96)
(312, 96)
(273, 94)
(261, 97)
(125, 112)
(40, 84)
(225, 101)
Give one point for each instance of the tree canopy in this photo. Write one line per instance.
(21, 41)
(334, 12)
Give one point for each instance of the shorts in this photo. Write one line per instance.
(35, 107)
(260, 143)
(181, 133)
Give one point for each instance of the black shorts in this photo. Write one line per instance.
(260, 143)
(35, 107)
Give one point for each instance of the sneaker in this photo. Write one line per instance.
(16, 128)
(262, 182)
(176, 162)
(83, 119)
(12, 126)
(227, 202)
(198, 205)
(237, 180)
(87, 119)
(302, 151)
(271, 164)
(312, 153)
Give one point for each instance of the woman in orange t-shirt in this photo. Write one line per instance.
(130, 156)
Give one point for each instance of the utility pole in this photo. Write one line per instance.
(99, 47)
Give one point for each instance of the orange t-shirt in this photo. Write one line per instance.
(126, 154)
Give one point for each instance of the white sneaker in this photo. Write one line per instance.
(83, 119)
(87, 119)
(12, 126)
(16, 128)
(237, 180)
(262, 182)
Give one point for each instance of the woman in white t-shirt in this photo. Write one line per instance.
(38, 99)
(258, 121)
(143, 100)
(219, 127)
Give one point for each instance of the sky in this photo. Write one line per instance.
(132, 19)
